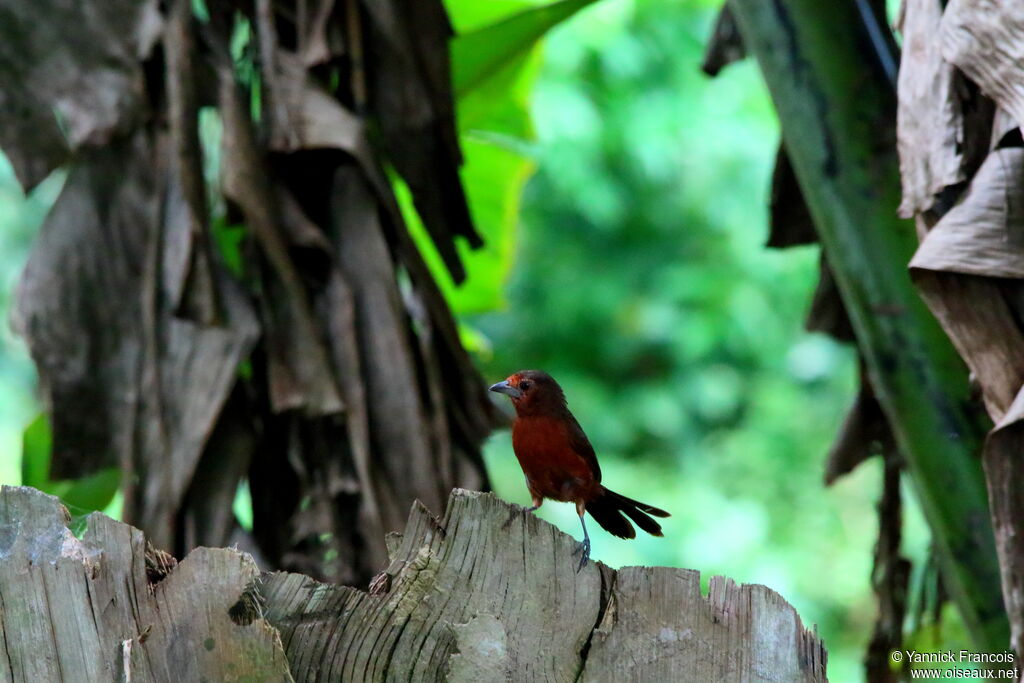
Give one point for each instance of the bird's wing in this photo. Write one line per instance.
(581, 445)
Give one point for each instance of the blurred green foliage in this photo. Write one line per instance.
(20, 217)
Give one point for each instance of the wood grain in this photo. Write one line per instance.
(487, 593)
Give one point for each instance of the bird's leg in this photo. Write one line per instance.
(512, 515)
(584, 547)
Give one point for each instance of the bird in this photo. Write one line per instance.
(560, 464)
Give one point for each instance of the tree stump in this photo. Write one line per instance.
(470, 597)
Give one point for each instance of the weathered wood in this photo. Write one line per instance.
(84, 610)
(475, 597)
(488, 593)
(465, 593)
(658, 627)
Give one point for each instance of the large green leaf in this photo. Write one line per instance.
(495, 129)
(36, 443)
(495, 62)
(92, 492)
(478, 55)
(470, 15)
(494, 177)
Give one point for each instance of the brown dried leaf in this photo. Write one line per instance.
(827, 313)
(981, 317)
(184, 389)
(929, 116)
(976, 316)
(472, 413)
(982, 234)
(341, 323)
(397, 416)
(192, 287)
(318, 38)
(725, 45)
(127, 383)
(864, 432)
(986, 40)
(207, 516)
(300, 373)
(303, 116)
(411, 99)
(790, 220)
(968, 269)
(890, 577)
(1005, 479)
(70, 77)
(88, 350)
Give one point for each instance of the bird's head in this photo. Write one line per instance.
(532, 392)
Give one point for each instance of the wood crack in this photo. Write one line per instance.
(607, 595)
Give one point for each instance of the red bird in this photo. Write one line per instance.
(559, 462)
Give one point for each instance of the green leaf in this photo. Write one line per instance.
(479, 54)
(200, 11)
(242, 505)
(495, 130)
(494, 68)
(91, 492)
(469, 15)
(229, 240)
(494, 178)
(36, 443)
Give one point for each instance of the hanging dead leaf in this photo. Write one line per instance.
(725, 45)
(790, 222)
(981, 234)
(59, 95)
(128, 383)
(928, 116)
(986, 40)
(412, 99)
(969, 273)
(864, 432)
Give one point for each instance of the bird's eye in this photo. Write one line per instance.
(524, 385)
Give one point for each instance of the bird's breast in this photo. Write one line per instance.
(552, 467)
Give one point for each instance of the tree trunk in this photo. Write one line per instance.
(486, 593)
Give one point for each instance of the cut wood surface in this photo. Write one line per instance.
(487, 593)
(86, 610)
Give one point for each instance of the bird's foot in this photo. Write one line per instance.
(583, 550)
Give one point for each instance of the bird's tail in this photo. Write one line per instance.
(608, 508)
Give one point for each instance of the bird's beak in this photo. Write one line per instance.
(506, 388)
